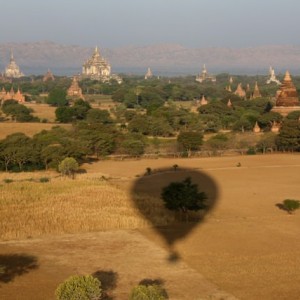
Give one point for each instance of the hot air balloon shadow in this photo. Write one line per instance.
(146, 194)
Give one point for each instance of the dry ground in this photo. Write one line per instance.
(29, 129)
(43, 111)
(246, 246)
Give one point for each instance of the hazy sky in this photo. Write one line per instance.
(114, 23)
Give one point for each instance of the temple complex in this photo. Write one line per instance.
(74, 90)
(240, 91)
(12, 70)
(48, 76)
(96, 67)
(256, 92)
(149, 74)
(12, 95)
(272, 77)
(204, 76)
(286, 97)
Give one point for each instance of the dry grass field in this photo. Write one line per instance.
(29, 129)
(245, 246)
(43, 111)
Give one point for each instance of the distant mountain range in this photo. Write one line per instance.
(163, 59)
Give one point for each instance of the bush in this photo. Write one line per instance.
(7, 180)
(79, 287)
(44, 179)
(151, 292)
(290, 205)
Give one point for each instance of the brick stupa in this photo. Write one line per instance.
(287, 97)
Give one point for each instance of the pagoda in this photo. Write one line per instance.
(12, 95)
(286, 97)
(272, 77)
(96, 67)
(48, 76)
(256, 128)
(12, 70)
(74, 90)
(203, 101)
(240, 91)
(256, 92)
(149, 74)
(229, 103)
(204, 76)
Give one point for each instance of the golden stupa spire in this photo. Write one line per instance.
(287, 76)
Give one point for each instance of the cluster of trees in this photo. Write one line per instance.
(18, 112)
(87, 287)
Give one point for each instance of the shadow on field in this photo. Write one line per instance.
(172, 225)
(109, 280)
(12, 265)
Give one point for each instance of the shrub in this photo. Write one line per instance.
(44, 179)
(7, 180)
(79, 287)
(291, 205)
(68, 166)
(143, 292)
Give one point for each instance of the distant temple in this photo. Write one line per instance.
(229, 103)
(203, 101)
(272, 77)
(96, 67)
(74, 90)
(204, 76)
(12, 70)
(256, 128)
(286, 97)
(240, 91)
(12, 95)
(48, 76)
(149, 74)
(256, 92)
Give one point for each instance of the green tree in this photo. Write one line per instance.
(68, 167)
(290, 205)
(16, 150)
(18, 112)
(133, 147)
(57, 97)
(183, 196)
(289, 136)
(79, 287)
(190, 141)
(150, 292)
(95, 115)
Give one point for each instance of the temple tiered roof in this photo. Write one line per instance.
(287, 94)
(12, 70)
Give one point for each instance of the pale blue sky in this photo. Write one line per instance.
(114, 23)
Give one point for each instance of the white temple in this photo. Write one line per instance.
(149, 74)
(272, 77)
(204, 76)
(96, 67)
(12, 70)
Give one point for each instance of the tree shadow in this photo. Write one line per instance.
(159, 282)
(109, 280)
(13, 265)
(146, 195)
